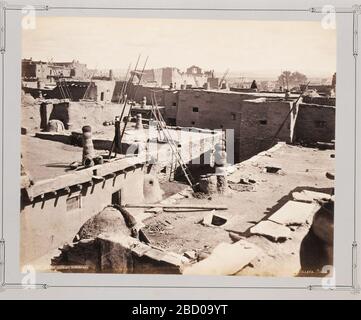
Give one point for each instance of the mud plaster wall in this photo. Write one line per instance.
(171, 104)
(214, 109)
(35, 70)
(255, 122)
(315, 123)
(259, 123)
(192, 148)
(46, 225)
(73, 90)
(74, 115)
(137, 92)
(163, 77)
(104, 91)
(93, 114)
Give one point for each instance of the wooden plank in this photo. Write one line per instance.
(178, 206)
(226, 259)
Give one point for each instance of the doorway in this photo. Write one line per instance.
(117, 198)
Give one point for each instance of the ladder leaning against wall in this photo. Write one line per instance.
(163, 130)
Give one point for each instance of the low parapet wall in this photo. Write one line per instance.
(74, 115)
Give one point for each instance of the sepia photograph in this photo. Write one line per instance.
(178, 146)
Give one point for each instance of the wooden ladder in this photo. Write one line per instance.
(162, 127)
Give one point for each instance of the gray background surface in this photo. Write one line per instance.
(177, 285)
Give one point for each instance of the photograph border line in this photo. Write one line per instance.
(354, 10)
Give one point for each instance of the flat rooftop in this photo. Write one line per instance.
(251, 94)
(44, 158)
(301, 169)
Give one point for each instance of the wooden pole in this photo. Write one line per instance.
(178, 206)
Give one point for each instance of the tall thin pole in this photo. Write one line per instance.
(130, 108)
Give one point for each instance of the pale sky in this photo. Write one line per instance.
(264, 48)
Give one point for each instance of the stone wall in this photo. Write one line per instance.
(315, 123)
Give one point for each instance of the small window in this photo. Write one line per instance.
(174, 104)
(221, 126)
(73, 203)
(320, 124)
(193, 123)
(233, 116)
(102, 96)
(263, 122)
(195, 109)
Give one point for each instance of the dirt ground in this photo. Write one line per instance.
(301, 168)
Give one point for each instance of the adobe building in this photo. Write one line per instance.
(54, 207)
(101, 91)
(57, 200)
(77, 70)
(258, 119)
(172, 77)
(42, 70)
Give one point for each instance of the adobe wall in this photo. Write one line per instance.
(28, 70)
(47, 224)
(254, 121)
(315, 123)
(171, 104)
(70, 90)
(31, 119)
(168, 76)
(104, 90)
(259, 123)
(326, 101)
(215, 109)
(74, 115)
(213, 83)
(137, 92)
(163, 77)
(158, 76)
